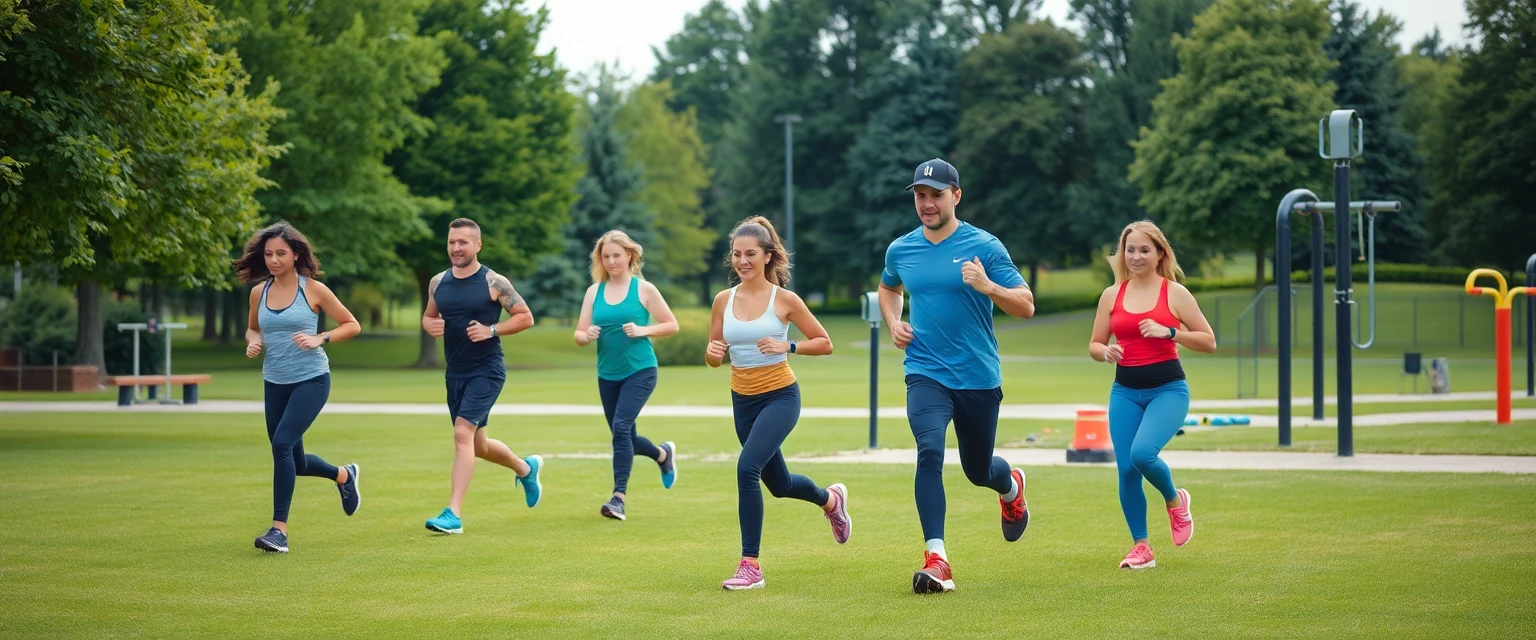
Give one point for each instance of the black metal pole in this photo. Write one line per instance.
(1283, 286)
(1341, 298)
(1530, 326)
(874, 382)
(1317, 314)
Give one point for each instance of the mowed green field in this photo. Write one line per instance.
(141, 525)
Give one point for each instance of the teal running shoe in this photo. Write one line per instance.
(531, 487)
(669, 466)
(446, 522)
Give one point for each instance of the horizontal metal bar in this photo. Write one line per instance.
(1378, 206)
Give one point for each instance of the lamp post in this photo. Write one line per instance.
(789, 120)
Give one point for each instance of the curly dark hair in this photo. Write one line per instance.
(252, 265)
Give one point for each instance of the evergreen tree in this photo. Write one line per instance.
(916, 120)
(607, 198)
(1367, 81)
(1485, 146)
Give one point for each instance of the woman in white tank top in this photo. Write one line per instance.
(750, 323)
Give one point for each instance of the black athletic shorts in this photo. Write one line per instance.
(472, 398)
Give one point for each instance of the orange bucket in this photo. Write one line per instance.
(1090, 440)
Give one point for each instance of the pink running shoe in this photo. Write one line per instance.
(842, 525)
(1140, 557)
(1179, 519)
(748, 576)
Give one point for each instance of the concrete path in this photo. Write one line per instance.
(1256, 460)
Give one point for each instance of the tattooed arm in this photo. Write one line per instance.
(519, 316)
(431, 320)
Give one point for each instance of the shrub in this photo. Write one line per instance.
(40, 320)
(686, 347)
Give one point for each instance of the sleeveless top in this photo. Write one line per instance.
(460, 301)
(753, 373)
(285, 362)
(1145, 363)
(620, 356)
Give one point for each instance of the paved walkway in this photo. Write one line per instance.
(1258, 460)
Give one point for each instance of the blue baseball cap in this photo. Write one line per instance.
(935, 173)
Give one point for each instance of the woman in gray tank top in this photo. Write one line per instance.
(285, 317)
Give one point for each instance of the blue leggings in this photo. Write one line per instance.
(763, 422)
(1141, 422)
(291, 409)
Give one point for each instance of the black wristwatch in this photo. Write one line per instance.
(1172, 332)
(327, 336)
(791, 346)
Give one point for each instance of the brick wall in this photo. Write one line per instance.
(70, 378)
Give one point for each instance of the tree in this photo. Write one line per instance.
(607, 198)
(665, 145)
(916, 120)
(134, 146)
(1484, 187)
(1236, 128)
(499, 148)
(1021, 101)
(351, 71)
(1131, 45)
(1367, 81)
(995, 16)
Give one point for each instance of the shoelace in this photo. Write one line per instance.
(1012, 512)
(1180, 515)
(934, 562)
(745, 571)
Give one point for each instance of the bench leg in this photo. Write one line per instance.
(125, 395)
(189, 394)
(153, 389)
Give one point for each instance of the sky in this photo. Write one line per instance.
(586, 32)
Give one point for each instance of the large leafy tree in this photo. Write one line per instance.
(1483, 181)
(1021, 101)
(500, 146)
(607, 198)
(1237, 127)
(1366, 78)
(351, 71)
(130, 144)
(665, 146)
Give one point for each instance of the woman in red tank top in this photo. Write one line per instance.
(1150, 315)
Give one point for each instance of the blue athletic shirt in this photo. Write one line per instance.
(952, 339)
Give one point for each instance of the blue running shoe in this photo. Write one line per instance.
(531, 487)
(446, 522)
(351, 499)
(669, 466)
(273, 541)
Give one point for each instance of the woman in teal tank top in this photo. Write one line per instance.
(617, 314)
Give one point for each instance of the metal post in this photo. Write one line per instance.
(167, 399)
(1318, 361)
(789, 120)
(135, 363)
(1283, 285)
(1341, 300)
(55, 371)
(1530, 327)
(874, 382)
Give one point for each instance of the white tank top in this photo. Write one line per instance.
(741, 336)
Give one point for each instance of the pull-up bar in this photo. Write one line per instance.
(1367, 206)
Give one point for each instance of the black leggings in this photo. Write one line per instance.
(291, 408)
(930, 408)
(622, 402)
(763, 422)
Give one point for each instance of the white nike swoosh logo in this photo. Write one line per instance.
(958, 260)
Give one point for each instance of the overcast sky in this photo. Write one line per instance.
(586, 32)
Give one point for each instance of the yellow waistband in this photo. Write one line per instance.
(756, 380)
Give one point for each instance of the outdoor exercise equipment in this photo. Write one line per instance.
(1503, 303)
(1340, 138)
(1530, 327)
(869, 309)
(152, 326)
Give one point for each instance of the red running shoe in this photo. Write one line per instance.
(934, 576)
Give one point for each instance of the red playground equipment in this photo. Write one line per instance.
(1503, 301)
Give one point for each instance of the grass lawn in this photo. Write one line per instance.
(1517, 439)
(149, 521)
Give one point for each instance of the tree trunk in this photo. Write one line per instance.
(210, 314)
(242, 313)
(157, 303)
(426, 357)
(88, 348)
(229, 310)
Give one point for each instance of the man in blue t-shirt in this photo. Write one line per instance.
(954, 272)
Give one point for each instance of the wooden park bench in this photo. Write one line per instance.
(188, 382)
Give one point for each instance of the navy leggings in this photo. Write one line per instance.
(291, 408)
(930, 407)
(763, 422)
(622, 402)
